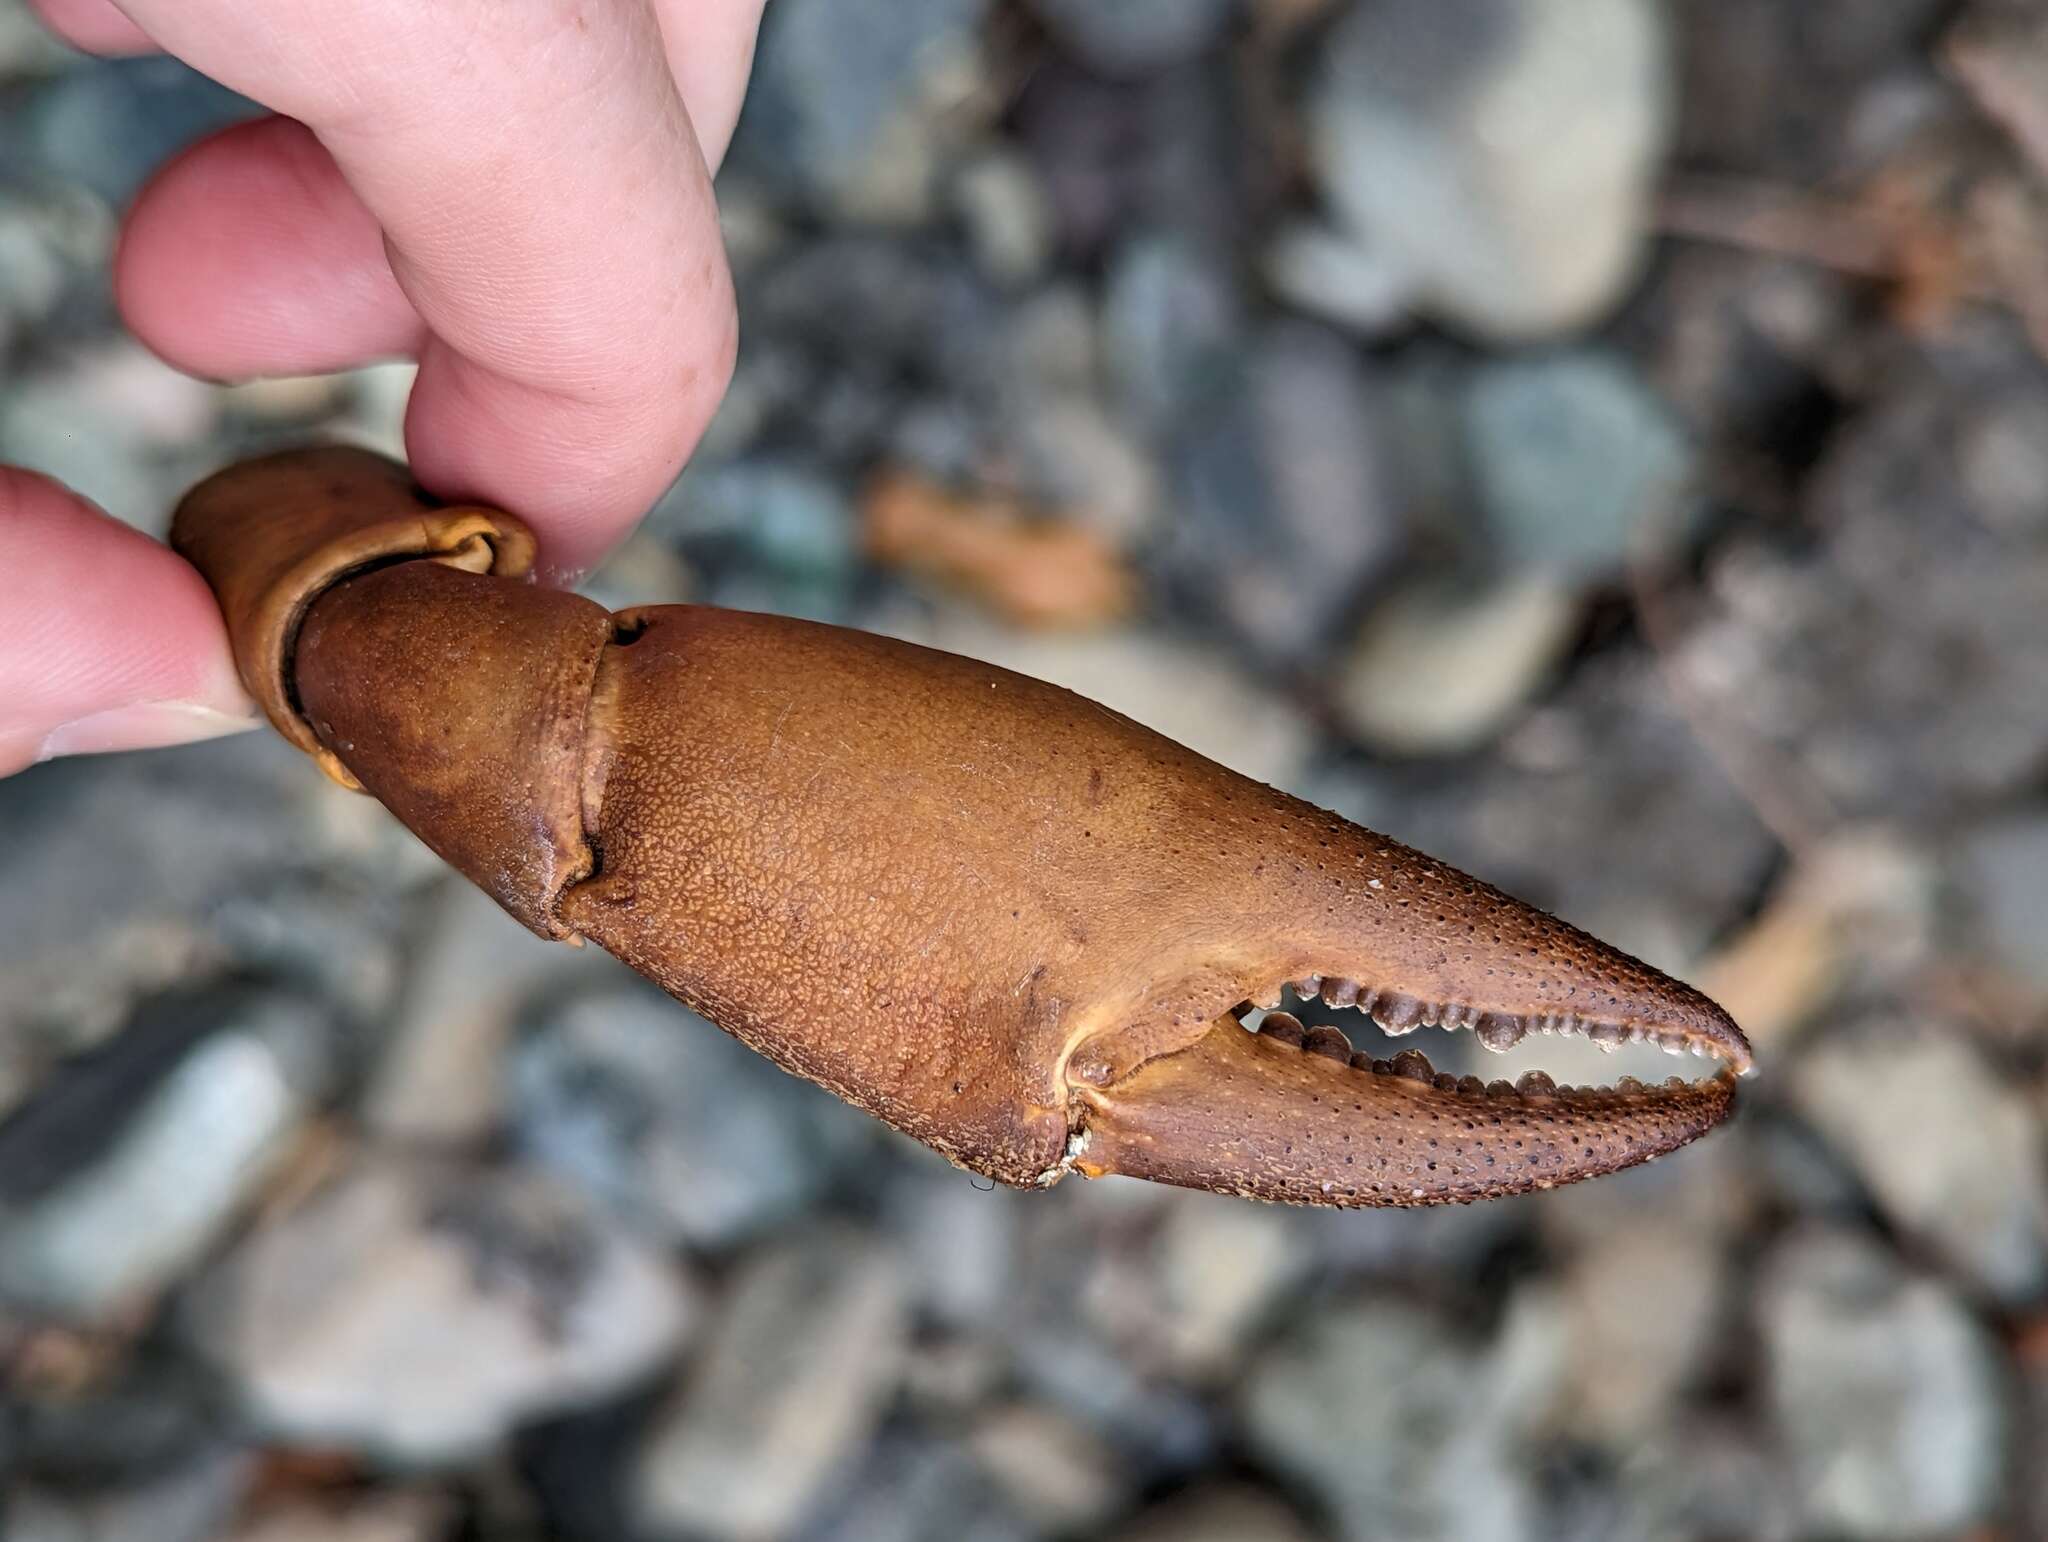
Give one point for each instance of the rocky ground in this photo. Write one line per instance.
(1606, 445)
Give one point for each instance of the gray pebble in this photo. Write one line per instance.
(1947, 1145)
(1886, 1392)
(1496, 157)
(418, 1311)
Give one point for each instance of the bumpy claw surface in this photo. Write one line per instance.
(1006, 920)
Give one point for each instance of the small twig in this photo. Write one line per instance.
(1777, 221)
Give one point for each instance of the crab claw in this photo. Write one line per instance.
(1010, 922)
(1268, 1117)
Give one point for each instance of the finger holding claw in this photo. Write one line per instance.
(1011, 923)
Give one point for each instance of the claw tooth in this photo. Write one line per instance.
(1361, 1062)
(1672, 1044)
(1307, 986)
(1398, 1014)
(1676, 1084)
(1268, 998)
(1471, 1086)
(1383, 1068)
(1414, 1065)
(1535, 1084)
(1607, 1036)
(1339, 992)
(1500, 1031)
(1284, 1026)
(1500, 1089)
(1445, 1082)
(1629, 1084)
(1330, 1042)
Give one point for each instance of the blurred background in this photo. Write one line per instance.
(1604, 444)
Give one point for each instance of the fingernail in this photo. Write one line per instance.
(140, 726)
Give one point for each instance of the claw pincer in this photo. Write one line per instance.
(1006, 920)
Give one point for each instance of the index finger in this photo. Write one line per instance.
(547, 212)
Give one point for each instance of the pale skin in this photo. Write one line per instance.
(516, 195)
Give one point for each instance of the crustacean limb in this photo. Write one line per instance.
(1017, 926)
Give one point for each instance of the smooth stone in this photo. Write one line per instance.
(1505, 163)
(1003, 210)
(869, 313)
(1055, 1472)
(1314, 269)
(1075, 457)
(1403, 1426)
(2002, 866)
(115, 424)
(1898, 663)
(1050, 341)
(960, 1243)
(135, 858)
(133, 1160)
(943, 438)
(1441, 670)
(777, 532)
(806, 1346)
(1576, 463)
(678, 1128)
(28, 48)
(50, 241)
(1679, 1480)
(1172, 328)
(919, 1485)
(2002, 460)
(1948, 1146)
(1147, 1414)
(1888, 1396)
(440, 1077)
(418, 1311)
(844, 108)
(1287, 497)
(330, 940)
(1643, 1306)
(1211, 1274)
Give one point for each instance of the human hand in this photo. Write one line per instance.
(518, 196)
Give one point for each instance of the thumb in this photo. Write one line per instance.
(107, 640)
